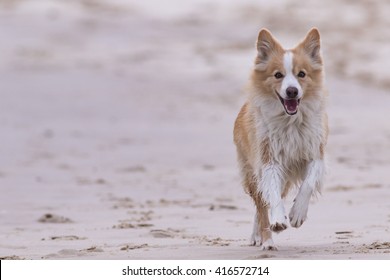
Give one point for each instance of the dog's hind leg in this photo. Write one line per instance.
(250, 185)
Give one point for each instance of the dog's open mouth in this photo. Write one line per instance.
(290, 105)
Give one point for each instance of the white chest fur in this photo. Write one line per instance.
(294, 140)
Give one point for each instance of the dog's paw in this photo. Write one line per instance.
(269, 245)
(298, 214)
(278, 219)
(277, 227)
(255, 239)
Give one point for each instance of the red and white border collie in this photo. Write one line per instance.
(281, 133)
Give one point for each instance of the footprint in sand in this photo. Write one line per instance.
(129, 247)
(222, 207)
(345, 234)
(160, 233)
(126, 225)
(124, 202)
(214, 241)
(12, 258)
(378, 246)
(262, 256)
(93, 249)
(73, 253)
(66, 237)
(54, 219)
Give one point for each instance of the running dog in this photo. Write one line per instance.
(281, 133)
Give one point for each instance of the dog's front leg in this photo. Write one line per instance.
(313, 181)
(270, 188)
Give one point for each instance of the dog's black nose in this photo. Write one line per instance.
(292, 92)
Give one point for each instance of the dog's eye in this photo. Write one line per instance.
(301, 74)
(278, 75)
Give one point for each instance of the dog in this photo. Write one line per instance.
(281, 132)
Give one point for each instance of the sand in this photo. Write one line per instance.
(117, 126)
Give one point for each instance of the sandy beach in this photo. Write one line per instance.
(117, 120)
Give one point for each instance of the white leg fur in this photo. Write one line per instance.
(256, 238)
(271, 190)
(313, 181)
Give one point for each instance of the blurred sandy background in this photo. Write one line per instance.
(117, 118)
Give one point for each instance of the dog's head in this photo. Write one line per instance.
(289, 76)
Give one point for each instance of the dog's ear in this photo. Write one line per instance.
(266, 44)
(312, 44)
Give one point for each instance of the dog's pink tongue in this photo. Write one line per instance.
(291, 105)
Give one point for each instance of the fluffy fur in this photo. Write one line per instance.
(281, 133)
